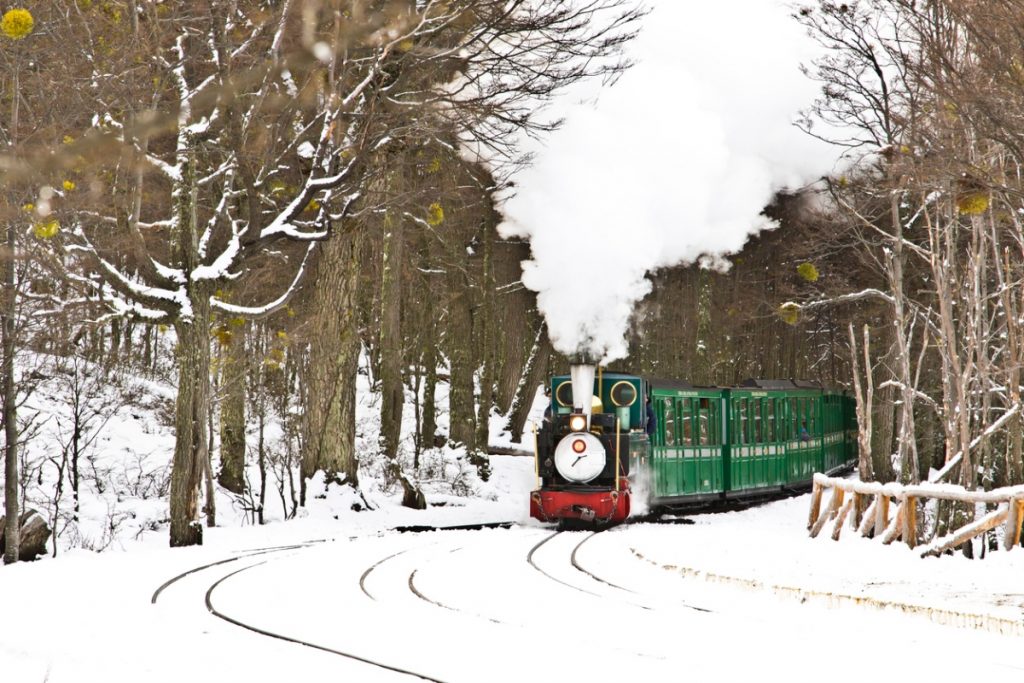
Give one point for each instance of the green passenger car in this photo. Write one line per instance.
(688, 454)
(768, 437)
(708, 444)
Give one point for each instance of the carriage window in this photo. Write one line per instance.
(705, 422)
(670, 423)
(770, 424)
(804, 426)
(742, 431)
(794, 428)
(755, 414)
(811, 423)
(687, 417)
(780, 419)
(748, 420)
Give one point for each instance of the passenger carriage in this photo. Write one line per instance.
(709, 445)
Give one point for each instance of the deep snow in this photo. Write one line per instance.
(793, 608)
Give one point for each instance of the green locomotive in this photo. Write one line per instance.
(690, 445)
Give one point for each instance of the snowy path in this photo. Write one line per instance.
(494, 605)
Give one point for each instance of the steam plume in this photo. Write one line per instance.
(671, 165)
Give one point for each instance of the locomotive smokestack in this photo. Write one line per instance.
(582, 374)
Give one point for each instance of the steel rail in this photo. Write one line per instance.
(270, 634)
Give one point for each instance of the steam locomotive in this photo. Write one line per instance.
(601, 452)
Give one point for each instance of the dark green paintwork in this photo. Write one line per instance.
(608, 380)
(711, 442)
(757, 446)
(688, 455)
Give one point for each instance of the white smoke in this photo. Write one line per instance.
(672, 164)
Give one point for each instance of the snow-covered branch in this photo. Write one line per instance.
(276, 304)
(992, 429)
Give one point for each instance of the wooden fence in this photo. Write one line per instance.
(873, 518)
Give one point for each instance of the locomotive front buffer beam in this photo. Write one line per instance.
(600, 507)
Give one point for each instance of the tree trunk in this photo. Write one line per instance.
(11, 527)
(910, 472)
(533, 376)
(487, 356)
(193, 402)
(884, 420)
(191, 445)
(232, 412)
(458, 342)
(391, 356)
(333, 364)
(865, 399)
(428, 423)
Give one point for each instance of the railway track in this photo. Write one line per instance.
(258, 557)
(212, 609)
(574, 560)
(527, 626)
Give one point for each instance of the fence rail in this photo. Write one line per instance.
(872, 519)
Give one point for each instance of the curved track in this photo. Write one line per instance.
(558, 565)
(208, 598)
(270, 634)
(578, 566)
(533, 563)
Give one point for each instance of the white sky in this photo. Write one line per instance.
(674, 162)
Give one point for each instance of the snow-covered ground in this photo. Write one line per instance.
(727, 596)
(732, 596)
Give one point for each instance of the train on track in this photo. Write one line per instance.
(602, 451)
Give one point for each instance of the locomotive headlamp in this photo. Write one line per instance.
(578, 423)
(579, 445)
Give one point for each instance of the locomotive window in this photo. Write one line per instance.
(563, 394)
(687, 418)
(670, 422)
(623, 394)
(770, 424)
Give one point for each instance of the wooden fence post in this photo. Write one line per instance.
(881, 514)
(910, 521)
(892, 532)
(1011, 532)
(832, 511)
(841, 519)
(868, 523)
(815, 505)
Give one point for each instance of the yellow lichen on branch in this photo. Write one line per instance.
(45, 230)
(973, 204)
(808, 272)
(789, 312)
(17, 23)
(435, 214)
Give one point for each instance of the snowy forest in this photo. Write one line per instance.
(221, 219)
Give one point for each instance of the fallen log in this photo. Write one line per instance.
(505, 450)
